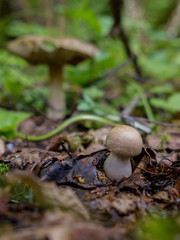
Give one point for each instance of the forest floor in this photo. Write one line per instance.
(57, 188)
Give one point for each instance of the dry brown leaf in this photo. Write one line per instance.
(53, 226)
(97, 136)
(168, 195)
(155, 140)
(94, 147)
(124, 204)
(177, 188)
(97, 139)
(61, 231)
(50, 196)
(163, 196)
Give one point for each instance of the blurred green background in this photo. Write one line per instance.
(153, 31)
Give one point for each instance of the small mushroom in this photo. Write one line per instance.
(54, 52)
(124, 142)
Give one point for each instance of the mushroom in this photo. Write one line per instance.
(54, 52)
(124, 142)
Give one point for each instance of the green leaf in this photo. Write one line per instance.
(162, 89)
(9, 121)
(171, 105)
(160, 103)
(161, 64)
(174, 102)
(4, 168)
(89, 17)
(19, 28)
(83, 14)
(93, 92)
(12, 86)
(106, 23)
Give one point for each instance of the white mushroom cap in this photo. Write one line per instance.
(124, 141)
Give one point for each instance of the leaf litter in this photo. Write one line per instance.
(69, 196)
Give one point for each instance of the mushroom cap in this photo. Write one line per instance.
(124, 141)
(52, 51)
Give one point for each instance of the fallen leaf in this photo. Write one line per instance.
(155, 140)
(50, 196)
(124, 204)
(162, 196)
(177, 188)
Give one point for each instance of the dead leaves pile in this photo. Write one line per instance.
(69, 197)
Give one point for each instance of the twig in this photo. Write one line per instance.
(130, 108)
(118, 30)
(65, 149)
(135, 122)
(156, 122)
(41, 113)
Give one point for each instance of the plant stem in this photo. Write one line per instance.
(143, 97)
(65, 124)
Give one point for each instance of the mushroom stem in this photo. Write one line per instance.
(117, 167)
(56, 100)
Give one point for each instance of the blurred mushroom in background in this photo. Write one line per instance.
(55, 52)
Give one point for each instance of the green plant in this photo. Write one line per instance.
(92, 21)
(92, 103)
(170, 104)
(158, 228)
(22, 193)
(65, 124)
(19, 28)
(17, 80)
(9, 121)
(86, 19)
(4, 168)
(164, 139)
